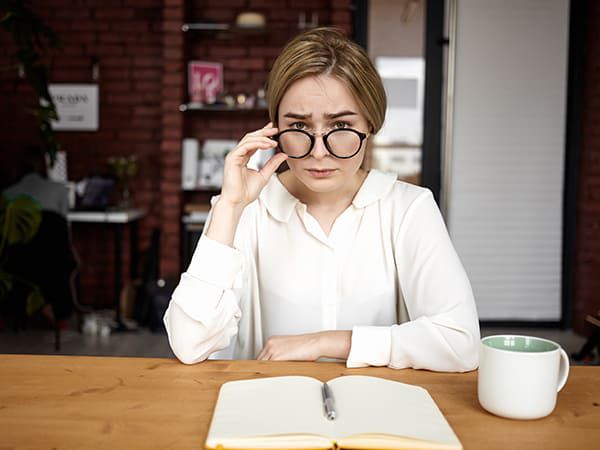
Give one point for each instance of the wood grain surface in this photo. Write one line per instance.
(78, 402)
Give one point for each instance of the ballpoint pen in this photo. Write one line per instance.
(328, 402)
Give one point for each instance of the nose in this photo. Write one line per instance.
(319, 151)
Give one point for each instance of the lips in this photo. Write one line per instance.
(321, 173)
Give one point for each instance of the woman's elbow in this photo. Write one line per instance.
(468, 354)
(186, 356)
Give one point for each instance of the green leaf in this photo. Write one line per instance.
(35, 300)
(6, 17)
(20, 219)
(6, 284)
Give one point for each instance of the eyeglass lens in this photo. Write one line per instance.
(342, 143)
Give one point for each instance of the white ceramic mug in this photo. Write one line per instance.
(520, 376)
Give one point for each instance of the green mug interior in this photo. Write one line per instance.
(523, 344)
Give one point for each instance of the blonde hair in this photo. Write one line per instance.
(326, 51)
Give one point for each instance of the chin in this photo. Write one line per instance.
(321, 184)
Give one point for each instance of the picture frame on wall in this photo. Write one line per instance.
(205, 81)
(76, 106)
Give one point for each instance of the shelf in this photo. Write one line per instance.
(209, 26)
(218, 108)
(204, 26)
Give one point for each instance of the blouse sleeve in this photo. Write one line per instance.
(204, 311)
(443, 331)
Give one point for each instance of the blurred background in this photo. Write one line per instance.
(116, 116)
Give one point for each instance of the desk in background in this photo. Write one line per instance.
(96, 402)
(116, 220)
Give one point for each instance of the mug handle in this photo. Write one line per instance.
(563, 372)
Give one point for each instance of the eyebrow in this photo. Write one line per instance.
(329, 116)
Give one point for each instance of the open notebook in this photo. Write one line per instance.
(288, 413)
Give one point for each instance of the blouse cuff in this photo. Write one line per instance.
(215, 263)
(371, 346)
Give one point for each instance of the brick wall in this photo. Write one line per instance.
(587, 272)
(125, 37)
(141, 52)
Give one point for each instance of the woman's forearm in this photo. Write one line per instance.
(336, 344)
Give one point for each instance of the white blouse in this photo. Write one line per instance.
(387, 271)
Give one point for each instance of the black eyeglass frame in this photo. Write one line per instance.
(312, 138)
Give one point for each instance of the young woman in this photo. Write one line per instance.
(324, 260)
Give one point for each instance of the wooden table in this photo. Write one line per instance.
(63, 402)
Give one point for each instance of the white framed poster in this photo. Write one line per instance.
(212, 162)
(76, 105)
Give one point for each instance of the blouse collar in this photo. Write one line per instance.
(280, 203)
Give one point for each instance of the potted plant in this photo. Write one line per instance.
(32, 37)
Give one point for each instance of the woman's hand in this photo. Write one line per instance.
(241, 185)
(307, 347)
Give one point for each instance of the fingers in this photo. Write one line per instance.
(267, 351)
(272, 164)
(267, 130)
(263, 355)
(249, 145)
(259, 139)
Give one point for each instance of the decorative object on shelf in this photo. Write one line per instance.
(205, 81)
(241, 101)
(250, 20)
(189, 163)
(261, 98)
(303, 24)
(124, 168)
(212, 161)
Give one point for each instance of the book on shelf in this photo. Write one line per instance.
(289, 412)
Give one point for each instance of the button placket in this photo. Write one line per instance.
(329, 291)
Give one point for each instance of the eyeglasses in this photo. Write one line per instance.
(342, 143)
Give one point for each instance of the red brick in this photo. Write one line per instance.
(172, 53)
(171, 26)
(170, 146)
(147, 74)
(341, 17)
(173, 40)
(173, 13)
(135, 135)
(111, 73)
(85, 25)
(245, 63)
(146, 111)
(171, 133)
(225, 14)
(105, 13)
(227, 51)
(114, 61)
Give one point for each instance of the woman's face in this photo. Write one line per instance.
(319, 104)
